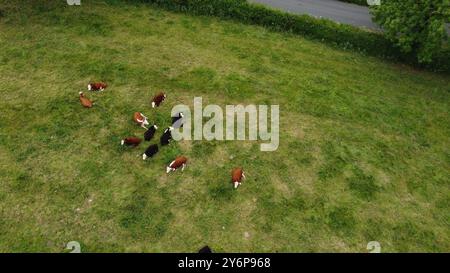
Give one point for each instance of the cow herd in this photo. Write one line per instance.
(237, 174)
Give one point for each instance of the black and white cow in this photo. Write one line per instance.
(167, 136)
(150, 151)
(148, 135)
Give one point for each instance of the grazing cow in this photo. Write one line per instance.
(140, 119)
(180, 161)
(97, 86)
(167, 136)
(150, 151)
(150, 132)
(85, 101)
(236, 177)
(131, 141)
(177, 121)
(158, 99)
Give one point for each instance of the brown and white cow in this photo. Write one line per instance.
(85, 101)
(131, 141)
(140, 119)
(158, 99)
(236, 177)
(180, 161)
(97, 86)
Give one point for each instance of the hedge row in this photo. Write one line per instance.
(339, 35)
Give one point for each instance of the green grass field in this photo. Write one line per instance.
(364, 144)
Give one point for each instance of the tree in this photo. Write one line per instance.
(416, 26)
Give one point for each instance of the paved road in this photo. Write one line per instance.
(332, 9)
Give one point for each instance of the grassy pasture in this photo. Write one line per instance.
(364, 144)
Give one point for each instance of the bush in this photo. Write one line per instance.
(342, 36)
(417, 27)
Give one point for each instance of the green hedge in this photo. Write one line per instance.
(339, 35)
